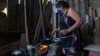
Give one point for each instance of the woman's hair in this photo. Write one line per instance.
(63, 4)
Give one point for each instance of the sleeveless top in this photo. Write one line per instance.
(65, 25)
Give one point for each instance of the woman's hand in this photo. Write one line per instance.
(56, 30)
(53, 31)
(64, 32)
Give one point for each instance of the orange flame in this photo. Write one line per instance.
(43, 47)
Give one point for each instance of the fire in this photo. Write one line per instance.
(43, 47)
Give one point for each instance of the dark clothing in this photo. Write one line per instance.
(66, 25)
(68, 41)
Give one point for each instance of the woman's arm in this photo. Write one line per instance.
(75, 15)
(56, 30)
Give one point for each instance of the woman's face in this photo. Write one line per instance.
(62, 9)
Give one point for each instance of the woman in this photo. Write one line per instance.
(68, 28)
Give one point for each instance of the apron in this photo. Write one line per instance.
(68, 40)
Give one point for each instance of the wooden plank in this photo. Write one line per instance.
(96, 3)
(23, 41)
